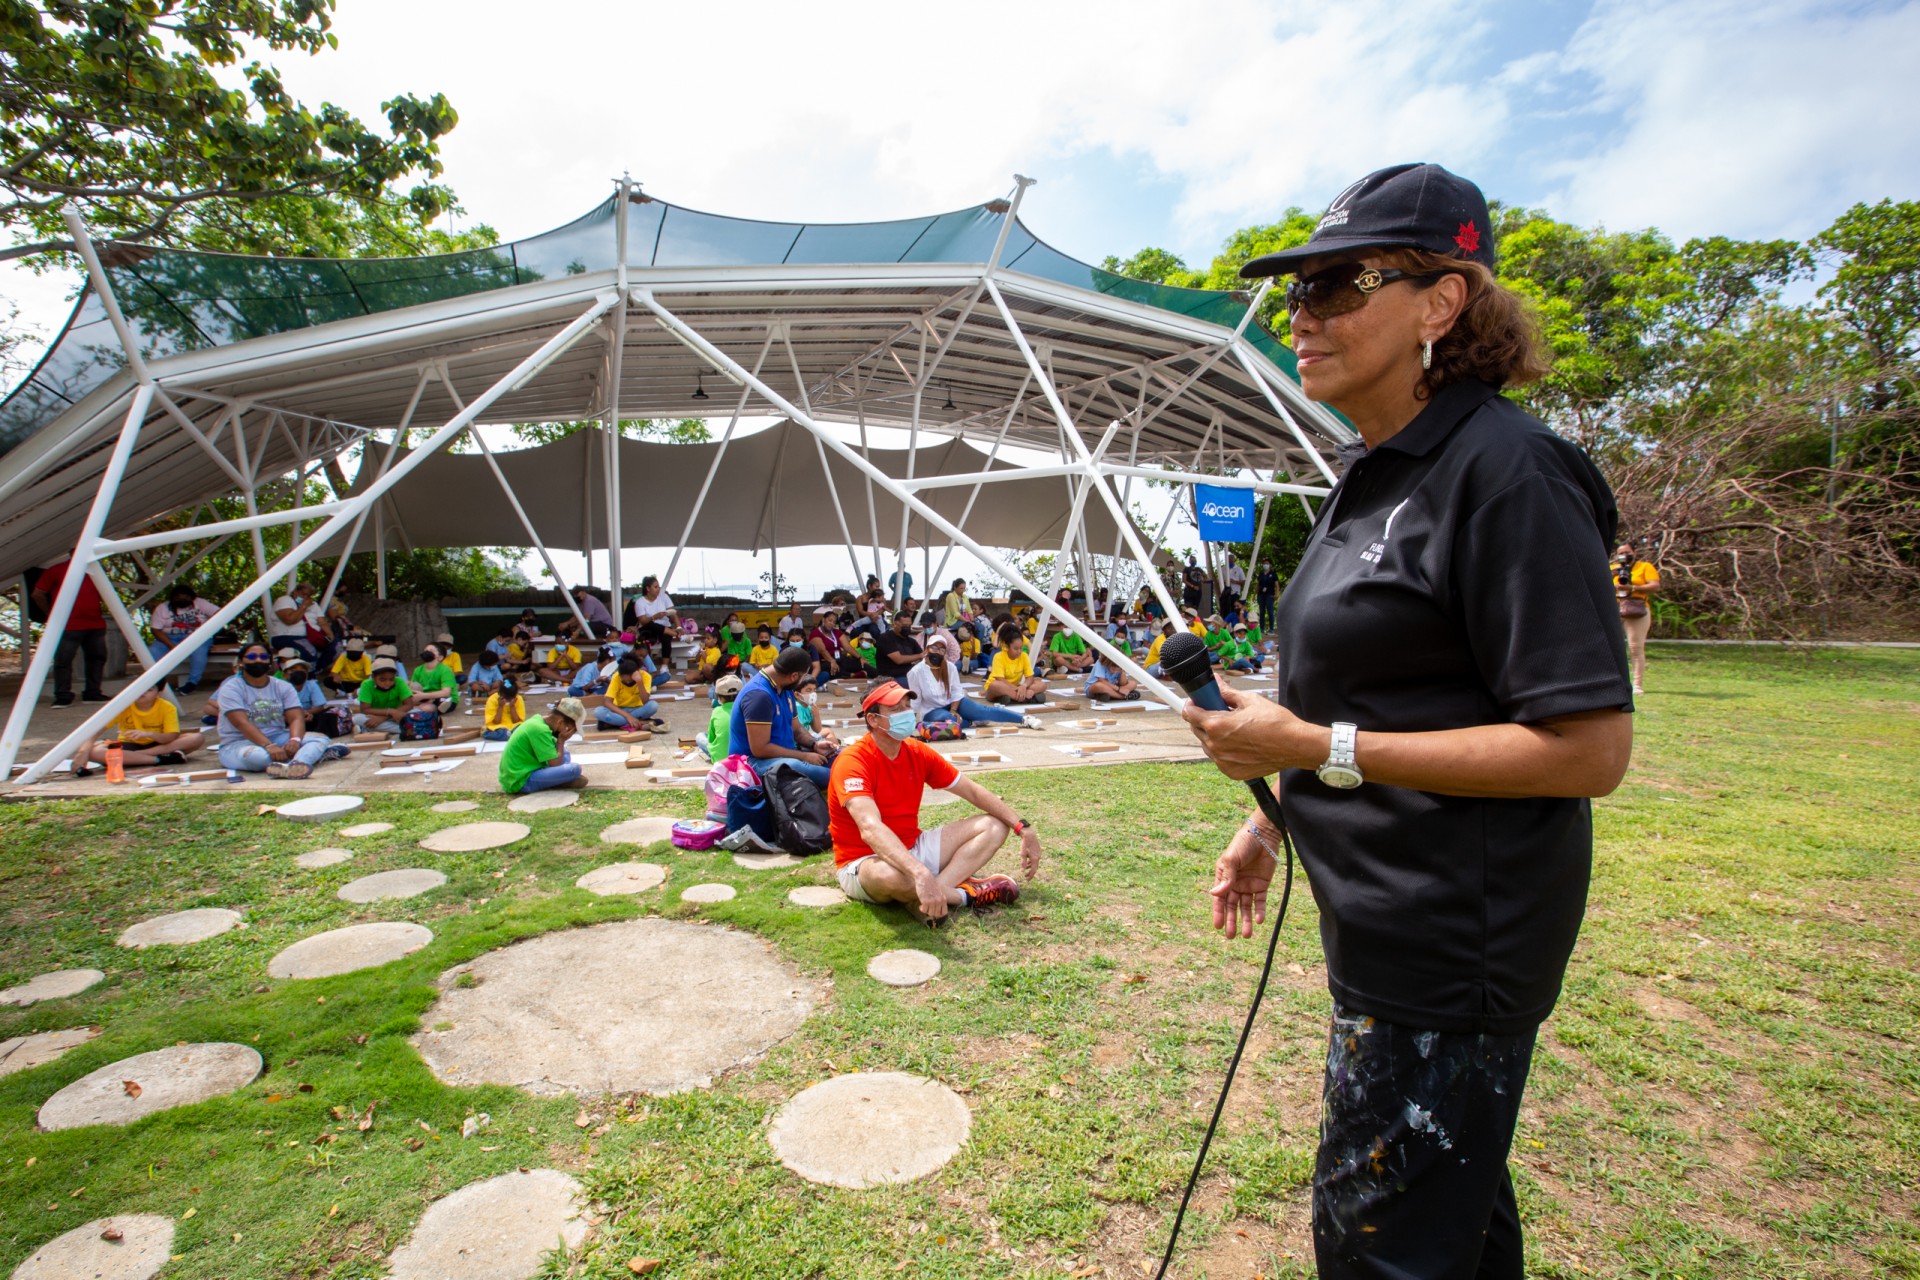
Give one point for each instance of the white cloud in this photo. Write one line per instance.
(1743, 119)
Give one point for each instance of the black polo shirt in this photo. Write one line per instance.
(1457, 576)
(888, 647)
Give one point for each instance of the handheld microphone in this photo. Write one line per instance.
(1183, 656)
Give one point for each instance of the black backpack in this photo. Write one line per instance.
(799, 812)
(422, 724)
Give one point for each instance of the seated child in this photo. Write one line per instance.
(720, 720)
(1238, 653)
(350, 669)
(764, 650)
(630, 703)
(485, 678)
(451, 657)
(505, 710)
(296, 672)
(1068, 653)
(501, 642)
(558, 663)
(148, 733)
(536, 757)
(1108, 685)
(713, 657)
(1011, 677)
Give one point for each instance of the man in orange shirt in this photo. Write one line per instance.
(873, 802)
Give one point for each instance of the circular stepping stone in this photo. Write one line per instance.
(133, 1246)
(494, 1230)
(124, 1091)
(57, 985)
(319, 808)
(23, 1053)
(816, 895)
(540, 800)
(358, 946)
(471, 837)
(410, 883)
(361, 830)
(622, 877)
(870, 1127)
(322, 858)
(903, 968)
(639, 831)
(766, 861)
(453, 806)
(180, 928)
(707, 893)
(650, 1006)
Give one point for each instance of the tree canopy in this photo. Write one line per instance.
(142, 114)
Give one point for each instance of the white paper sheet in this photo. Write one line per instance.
(1148, 706)
(597, 757)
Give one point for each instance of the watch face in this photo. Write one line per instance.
(1339, 775)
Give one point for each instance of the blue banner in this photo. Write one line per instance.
(1226, 515)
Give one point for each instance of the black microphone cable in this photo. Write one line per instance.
(1185, 661)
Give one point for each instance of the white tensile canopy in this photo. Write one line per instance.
(182, 377)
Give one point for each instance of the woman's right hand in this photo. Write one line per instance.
(1241, 877)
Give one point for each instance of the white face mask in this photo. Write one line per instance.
(900, 724)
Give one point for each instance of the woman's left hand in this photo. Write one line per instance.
(1255, 736)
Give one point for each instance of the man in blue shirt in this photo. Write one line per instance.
(763, 725)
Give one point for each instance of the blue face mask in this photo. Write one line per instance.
(900, 724)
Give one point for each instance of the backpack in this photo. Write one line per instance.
(734, 771)
(939, 731)
(799, 812)
(747, 809)
(419, 724)
(330, 722)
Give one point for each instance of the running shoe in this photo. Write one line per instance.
(989, 891)
(335, 751)
(1032, 722)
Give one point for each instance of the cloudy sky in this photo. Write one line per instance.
(1146, 123)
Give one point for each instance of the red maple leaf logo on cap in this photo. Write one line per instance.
(1468, 238)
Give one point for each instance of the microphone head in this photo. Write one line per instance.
(1184, 657)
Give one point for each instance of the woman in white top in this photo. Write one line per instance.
(937, 692)
(289, 619)
(651, 615)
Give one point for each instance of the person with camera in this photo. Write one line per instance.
(1452, 692)
(1634, 582)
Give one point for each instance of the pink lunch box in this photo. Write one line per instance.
(697, 833)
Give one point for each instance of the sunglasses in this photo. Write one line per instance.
(1343, 288)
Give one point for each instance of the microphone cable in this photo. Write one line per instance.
(1271, 810)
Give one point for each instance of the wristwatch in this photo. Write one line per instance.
(1341, 770)
(1021, 826)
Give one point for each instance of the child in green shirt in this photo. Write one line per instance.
(720, 721)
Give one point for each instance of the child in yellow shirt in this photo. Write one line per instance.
(505, 710)
(1011, 677)
(764, 650)
(148, 733)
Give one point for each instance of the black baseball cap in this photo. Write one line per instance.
(1406, 206)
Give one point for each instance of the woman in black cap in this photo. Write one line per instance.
(1452, 691)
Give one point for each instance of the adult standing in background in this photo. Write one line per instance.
(1236, 582)
(1266, 587)
(1634, 582)
(956, 608)
(173, 622)
(84, 634)
(1452, 691)
(1193, 581)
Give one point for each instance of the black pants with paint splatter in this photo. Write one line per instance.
(1411, 1181)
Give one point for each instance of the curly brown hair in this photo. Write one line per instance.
(1497, 338)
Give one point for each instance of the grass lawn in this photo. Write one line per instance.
(1730, 1086)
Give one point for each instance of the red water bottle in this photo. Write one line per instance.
(116, 768)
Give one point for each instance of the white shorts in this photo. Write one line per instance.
(926, 850)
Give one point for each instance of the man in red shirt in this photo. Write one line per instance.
(873, 801)
(85, 633)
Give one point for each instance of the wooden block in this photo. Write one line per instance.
(592, 700)
(373, 737)
(467, 734)
(378, 742)
(993, 730)
(635, 735)
(682, 773)
(687, 744)
(1095, 748)
(637, 757)
(441, 752)
(182, 778)
(978, 757)
(1114, 711)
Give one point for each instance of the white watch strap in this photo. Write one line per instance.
(1341, 751)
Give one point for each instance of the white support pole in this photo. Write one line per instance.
(873, 517)
(1072, 529)
(380, 551)
(117, 609)
(913, 456)
(174, 574)
(62, 607)
(833, 489)
(514, 379)
(721, 361)
(713, 468)
(1223, 482)
(967, 510)
(240, 524)
(353, 538)
(615, 524)
(1120, 518)
(1126, 500)
(253, 511)
(526, 521)
(1281, 409)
